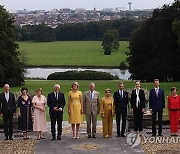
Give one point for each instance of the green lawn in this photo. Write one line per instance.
(47, 87)
(71, 53)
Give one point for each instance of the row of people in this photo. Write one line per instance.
(89, 104)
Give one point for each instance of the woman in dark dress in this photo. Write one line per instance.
(24, 112)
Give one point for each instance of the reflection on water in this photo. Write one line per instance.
(45, 72)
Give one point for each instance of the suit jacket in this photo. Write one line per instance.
(120, 104)
(10, 105)
(53, 102)
(91, 106)
(141, 104)
(156, 103)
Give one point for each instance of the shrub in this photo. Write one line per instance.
(81, 75)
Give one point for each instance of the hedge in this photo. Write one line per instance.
(81, 75)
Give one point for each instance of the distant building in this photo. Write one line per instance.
(119, 9)
(80, 10)
(107, 18)
(23, 11)
(65, 10)
(130, 6)
(108, 9)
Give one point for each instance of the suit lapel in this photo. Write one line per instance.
(9, 97)
(5, 97)
(88, 95)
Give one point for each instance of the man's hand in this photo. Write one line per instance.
(143, 110)
(151, 111)
(14, 114)
(60, 109)
(1, 115)
(131, 110)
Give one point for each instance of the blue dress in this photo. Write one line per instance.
(25, 121)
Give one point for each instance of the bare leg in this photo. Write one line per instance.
(77, 130)
(39, 135)
(73, 130)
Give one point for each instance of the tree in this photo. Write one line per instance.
(154, 51)
(11, 70)
(110, 41)
(176, 29)
(43, 33)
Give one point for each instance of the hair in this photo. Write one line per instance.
(120, 83)
(108, 90)
(6, 85)
(156, 80)
(24, 88)
(137, 81)
(57, 85)
(39, 89)
(92, 83)
(173, 88)
(75, 83)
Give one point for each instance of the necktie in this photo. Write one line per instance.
(7, 97)
(121, 94)
(91, 95)
(56, 95)
(157, 92)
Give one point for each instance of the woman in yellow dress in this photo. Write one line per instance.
(75, 109)
(107, 113)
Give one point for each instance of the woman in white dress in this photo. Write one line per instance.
(39, 104)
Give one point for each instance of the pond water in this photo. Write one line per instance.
(45, 72)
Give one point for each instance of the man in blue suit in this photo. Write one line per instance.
(156, 106)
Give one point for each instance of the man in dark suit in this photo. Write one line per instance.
(138, 106)
(156, 105)
(121, 102)
(7, 110)
(56, 103)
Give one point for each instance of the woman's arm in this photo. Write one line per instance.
(81, 101)
(69, 103)
(102, 108)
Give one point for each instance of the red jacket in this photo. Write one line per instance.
(174, 102)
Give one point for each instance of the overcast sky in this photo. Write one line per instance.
(88, 4)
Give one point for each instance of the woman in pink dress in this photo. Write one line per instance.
(39, 104)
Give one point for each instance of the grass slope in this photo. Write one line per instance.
(78, 53)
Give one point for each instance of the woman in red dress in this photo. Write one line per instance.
(174, 109)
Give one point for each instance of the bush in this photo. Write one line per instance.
(123, 65)
(81, 75)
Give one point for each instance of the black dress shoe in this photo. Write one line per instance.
(59, 138)
(53, 138)
(89, 136)
(122, 135)
(6, 138)
(11, 138)
(153, 135)
(118, 135)
(94, 136)
(160, 135)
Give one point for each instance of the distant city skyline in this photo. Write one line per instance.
(87, 4)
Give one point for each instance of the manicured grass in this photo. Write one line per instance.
(47, 87)
(71, 53)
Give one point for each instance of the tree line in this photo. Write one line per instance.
(76, 32)
(155, 46)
